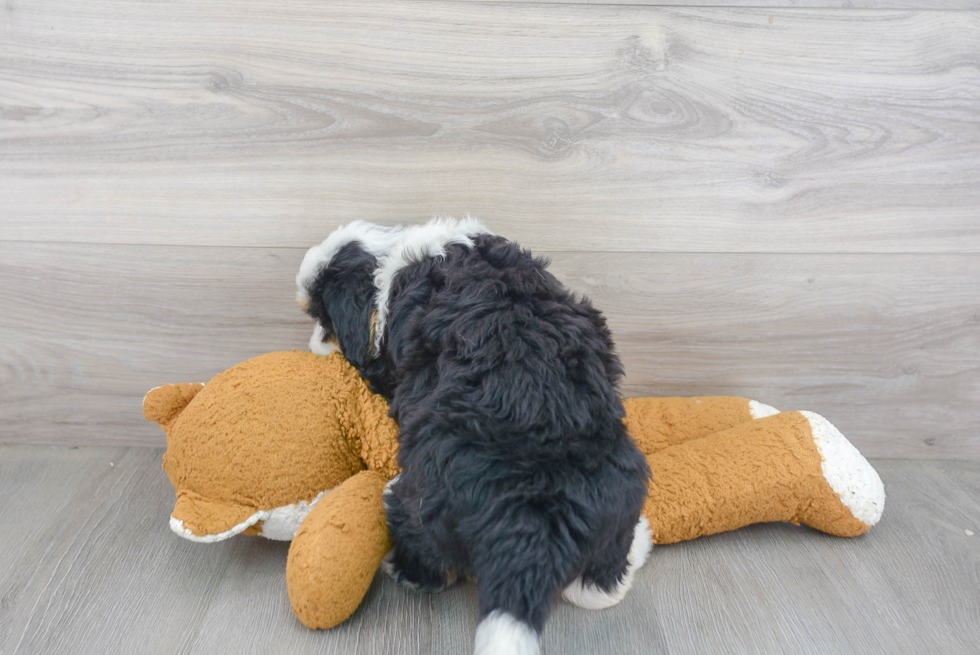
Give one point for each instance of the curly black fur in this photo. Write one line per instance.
(517, 468)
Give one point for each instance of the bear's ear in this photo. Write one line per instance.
(164, 404)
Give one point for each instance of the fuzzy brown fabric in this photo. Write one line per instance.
(764, 470)
(336, 552)
(657, 423)
(164, 404)
(272, 431)
(283, 427)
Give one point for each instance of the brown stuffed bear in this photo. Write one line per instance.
(293, 445)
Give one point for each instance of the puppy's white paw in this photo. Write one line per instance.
(388, 566)
(590, 597)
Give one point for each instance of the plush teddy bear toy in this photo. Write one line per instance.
(293, 445)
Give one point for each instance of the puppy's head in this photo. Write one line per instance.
(335, 285)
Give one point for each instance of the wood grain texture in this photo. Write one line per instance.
(775, 4)
(37, 485)
(103, 573)
(584, 127)
(886, 346)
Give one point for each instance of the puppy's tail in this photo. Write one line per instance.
(521, 566)
(501, 633)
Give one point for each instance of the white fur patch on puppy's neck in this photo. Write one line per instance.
(415, 244)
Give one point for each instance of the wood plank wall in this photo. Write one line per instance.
(779, 201)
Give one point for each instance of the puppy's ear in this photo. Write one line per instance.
(352, 310)
(343, 298)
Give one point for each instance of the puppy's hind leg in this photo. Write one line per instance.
(415, 560)
(606, 579)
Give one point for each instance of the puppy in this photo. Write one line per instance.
(516, 466)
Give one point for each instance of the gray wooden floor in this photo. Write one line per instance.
(89, 565)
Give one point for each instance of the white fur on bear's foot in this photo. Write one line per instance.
(590, 597)
(847, 472)
(502, 634)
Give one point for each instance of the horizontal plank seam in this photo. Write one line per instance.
(641, 5)
(926, 253)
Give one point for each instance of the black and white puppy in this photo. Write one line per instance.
(516, 466)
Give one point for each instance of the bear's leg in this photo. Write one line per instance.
(657, 423)
(793, 466)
